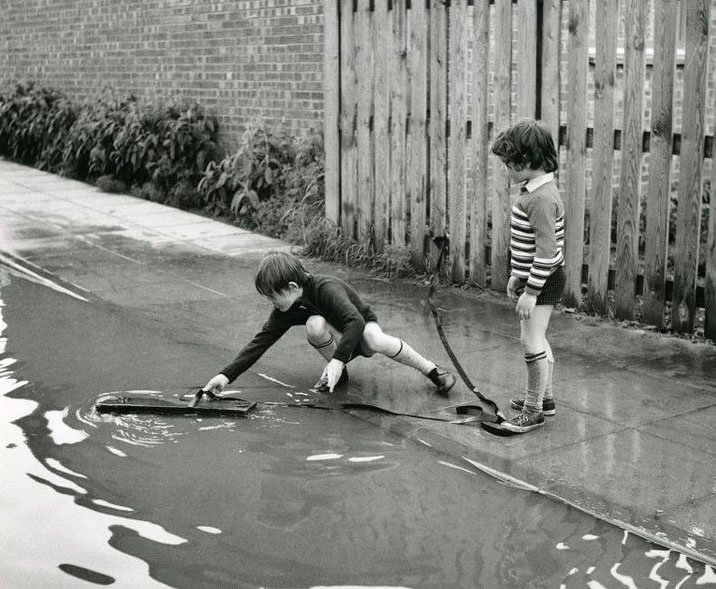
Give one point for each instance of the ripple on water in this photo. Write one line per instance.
(144, 430)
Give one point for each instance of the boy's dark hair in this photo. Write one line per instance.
(527, 144)
(276, 270)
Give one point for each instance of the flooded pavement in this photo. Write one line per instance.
(94, 302)
(288, 497)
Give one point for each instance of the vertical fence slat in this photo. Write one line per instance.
(332, 96)
(398, 104)
(349, 192)
(660, 156)
(457, 193)
(526, 78)
(416, 150)
(551, 57)
(576, 188)
(438, 114)
(710, 285)
(381, 42)
(364, 93)
(480, 142)
(600, 209)
(630, 182)
(502, 92)
(686, 253)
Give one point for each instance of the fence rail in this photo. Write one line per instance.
(416, 90)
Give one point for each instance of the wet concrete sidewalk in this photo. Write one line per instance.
(633, 440)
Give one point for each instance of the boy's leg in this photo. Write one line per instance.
(548, 392)
(533, 344)
(396, 349)
(320, 336)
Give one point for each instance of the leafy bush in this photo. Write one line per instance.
(274, 183)
(34, 123)
(109, 137)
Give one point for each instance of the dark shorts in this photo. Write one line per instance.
(551, 293)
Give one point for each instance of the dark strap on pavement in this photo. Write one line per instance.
(497, 416)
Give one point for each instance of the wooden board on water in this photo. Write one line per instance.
(158, 405)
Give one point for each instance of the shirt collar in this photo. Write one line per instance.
(538, 181)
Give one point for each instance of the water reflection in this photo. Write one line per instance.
(29, 494)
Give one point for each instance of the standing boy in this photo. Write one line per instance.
(339, 325)
(528, 154)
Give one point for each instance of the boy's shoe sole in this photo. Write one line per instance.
(548, 406)
(521, 426)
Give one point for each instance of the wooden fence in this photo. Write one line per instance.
(415, 90)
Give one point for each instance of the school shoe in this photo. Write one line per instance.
(523, 422)
(548, 406)
(443, 379)
(322, 385)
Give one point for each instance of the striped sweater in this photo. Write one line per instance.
(537, 235)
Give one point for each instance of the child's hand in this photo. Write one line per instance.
(331, 373)
(216, 384)
(512, 285)
(525, 305)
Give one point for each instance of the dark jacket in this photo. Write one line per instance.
(326, 296)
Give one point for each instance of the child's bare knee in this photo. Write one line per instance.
(316, 326)
(373, 337)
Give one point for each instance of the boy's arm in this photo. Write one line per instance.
(340, 311)
(543, 217)
(270, 333)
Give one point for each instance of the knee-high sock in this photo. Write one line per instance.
(408, 356)
(326, 349)
(548, 392)
(537, 372)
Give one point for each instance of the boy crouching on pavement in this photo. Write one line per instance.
(528, 154)
(339, 325)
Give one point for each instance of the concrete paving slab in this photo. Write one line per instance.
(202, 230)
(694, 429)
(160, 219)
(69, 188)
(631, 398)
(616, 470)
(11, 192)
(695, 518)
(241, 243)
(168, 292)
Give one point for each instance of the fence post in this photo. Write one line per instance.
(364, 130)
(710, 286)
(576, 187)
(332, 97)
(502, 90)
(417, 137)
(600, 209)
(660, 156)
(381, 132)
(438, 114)
(458, 134)
(527, 28)
(551, 51)
(349, 193)
(686, 253)
(399, 76)
(480, 142)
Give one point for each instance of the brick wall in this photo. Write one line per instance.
(241, 59)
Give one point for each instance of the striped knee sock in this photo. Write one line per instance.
(537, 372)
(325, 349)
